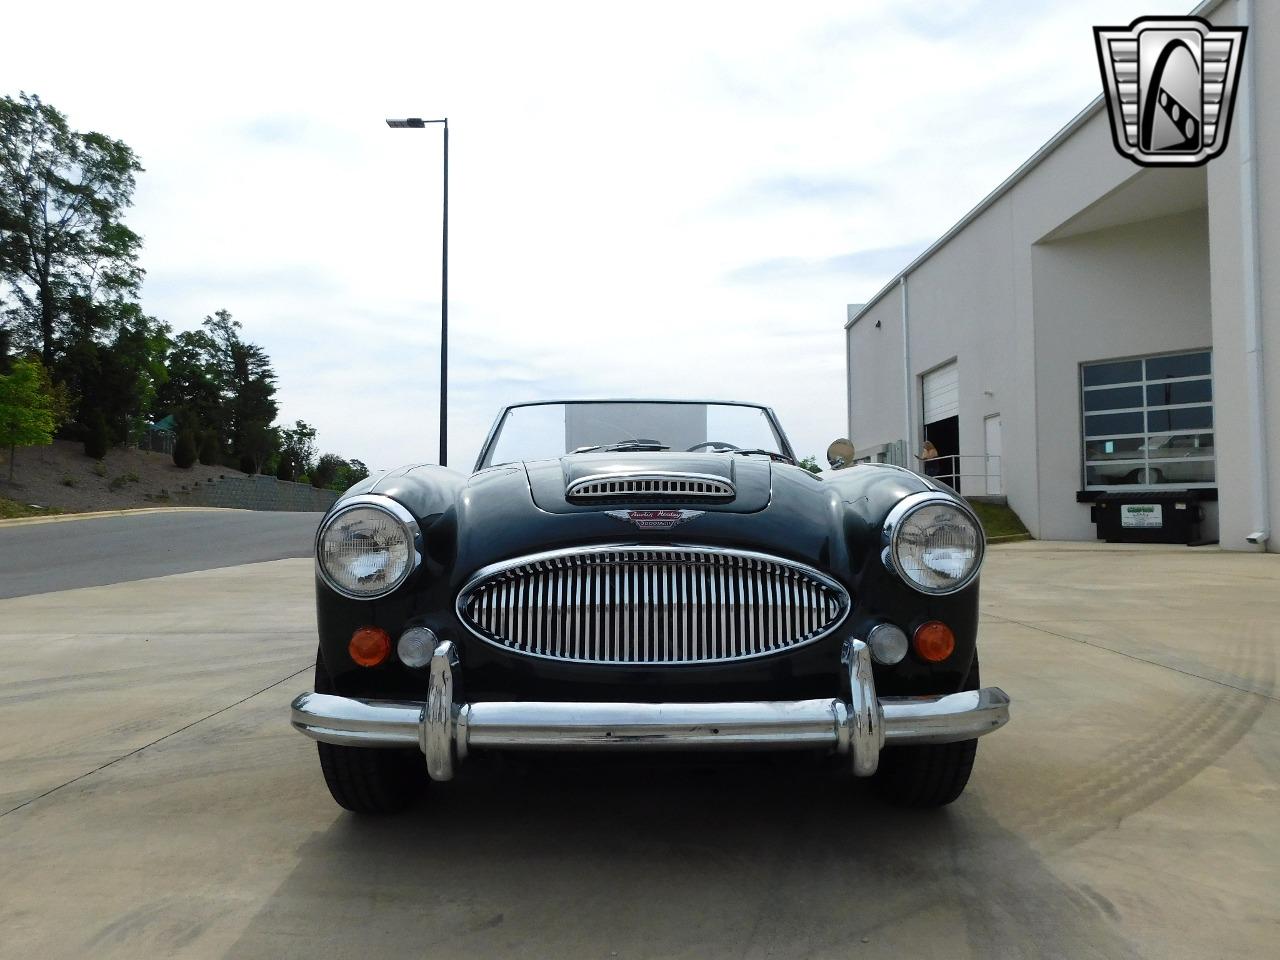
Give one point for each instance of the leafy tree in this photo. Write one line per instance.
(118, 376)
(326, 470)
(284, 467)
(26, 409)
(62, 197)
(96, 440)
(810, 463)
(356, 471)
(210, 449)
(248, 465)
(297, 443)
(184, 451)
(191, 390)
(246, 382)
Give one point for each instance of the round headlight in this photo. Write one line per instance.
(934, 543)
(368, 547)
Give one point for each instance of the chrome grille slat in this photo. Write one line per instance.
(666, 487)
(629, 605)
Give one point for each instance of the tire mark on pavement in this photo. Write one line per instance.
(1177, 745)
(174, 733)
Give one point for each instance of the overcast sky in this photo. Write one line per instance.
(658, 199)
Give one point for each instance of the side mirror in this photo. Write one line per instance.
(840, 453)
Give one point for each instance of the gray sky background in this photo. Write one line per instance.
(651, 199)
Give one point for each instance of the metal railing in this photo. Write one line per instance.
(970, 473)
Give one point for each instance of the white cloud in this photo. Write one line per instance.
(659, 199)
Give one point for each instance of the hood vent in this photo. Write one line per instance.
(650, 487)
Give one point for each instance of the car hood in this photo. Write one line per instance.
(749, 477)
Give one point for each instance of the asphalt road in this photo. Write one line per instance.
(64, 554)
(154, 801)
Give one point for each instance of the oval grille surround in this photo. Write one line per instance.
(640, 605)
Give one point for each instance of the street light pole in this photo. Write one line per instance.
(417, 123)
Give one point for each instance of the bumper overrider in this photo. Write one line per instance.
(446, 730)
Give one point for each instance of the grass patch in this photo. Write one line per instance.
(997, 520)
(118, 483)
(9, 509)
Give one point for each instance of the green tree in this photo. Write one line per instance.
(191, 390)
(184, 451)
(26, 409)
(118, 376)
(62, 198)
(326, 470)
(210, 449)
(810, 463)
(298, 444)
(96, 440)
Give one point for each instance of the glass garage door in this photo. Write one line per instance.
(1148, 422)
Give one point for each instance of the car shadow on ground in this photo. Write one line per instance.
(631, 857)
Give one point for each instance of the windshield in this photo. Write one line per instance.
(545, 431)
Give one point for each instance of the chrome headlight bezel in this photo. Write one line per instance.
(391, 508)
(892, 530)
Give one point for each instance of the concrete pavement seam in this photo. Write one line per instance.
(173, 733)
(1131, 656)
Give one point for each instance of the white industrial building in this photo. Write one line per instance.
(1095, 327)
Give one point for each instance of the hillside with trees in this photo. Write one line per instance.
(81, 360)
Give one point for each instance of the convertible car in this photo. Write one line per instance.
(625, 575)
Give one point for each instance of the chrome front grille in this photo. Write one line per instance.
(667, 487)
(633, 605)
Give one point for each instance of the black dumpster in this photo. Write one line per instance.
(1148, 516)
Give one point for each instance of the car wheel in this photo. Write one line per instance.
(929, 775)
(367, 780)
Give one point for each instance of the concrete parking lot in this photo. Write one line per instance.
(155, 803)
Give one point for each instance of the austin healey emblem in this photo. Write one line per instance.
(655, 519)
(1170, 85)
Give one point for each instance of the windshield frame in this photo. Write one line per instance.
(485, 451)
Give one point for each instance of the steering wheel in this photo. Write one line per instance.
(718, 445)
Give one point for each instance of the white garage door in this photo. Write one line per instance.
(942, 393)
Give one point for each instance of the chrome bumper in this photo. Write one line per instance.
(446, 730)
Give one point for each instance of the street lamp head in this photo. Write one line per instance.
(415, 122)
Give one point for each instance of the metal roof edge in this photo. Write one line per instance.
(1074, 124)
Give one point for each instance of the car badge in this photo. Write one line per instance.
(655, 519)
(1170, 85)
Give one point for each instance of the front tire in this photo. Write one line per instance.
(930, 775)
(367, 780)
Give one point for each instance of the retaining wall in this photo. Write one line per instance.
(255, 493)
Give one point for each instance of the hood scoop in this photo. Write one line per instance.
(649, 485)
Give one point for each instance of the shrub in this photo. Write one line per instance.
(99, 469)
(96, 441)
(284, 469)
(68, 481)
(184, 451)
(248, 464)
(210, 451)
(117, 482)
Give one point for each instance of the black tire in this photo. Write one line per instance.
(930, 775)
(365, 780)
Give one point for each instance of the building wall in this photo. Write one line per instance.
(1237, 486)
(1087, 257)
(1131, 290)
(876, 387)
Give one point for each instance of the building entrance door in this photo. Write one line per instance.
(995, 468)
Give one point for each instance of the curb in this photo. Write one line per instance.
(98, 514)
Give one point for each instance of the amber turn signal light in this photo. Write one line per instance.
(934, 641)
(369, 646)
